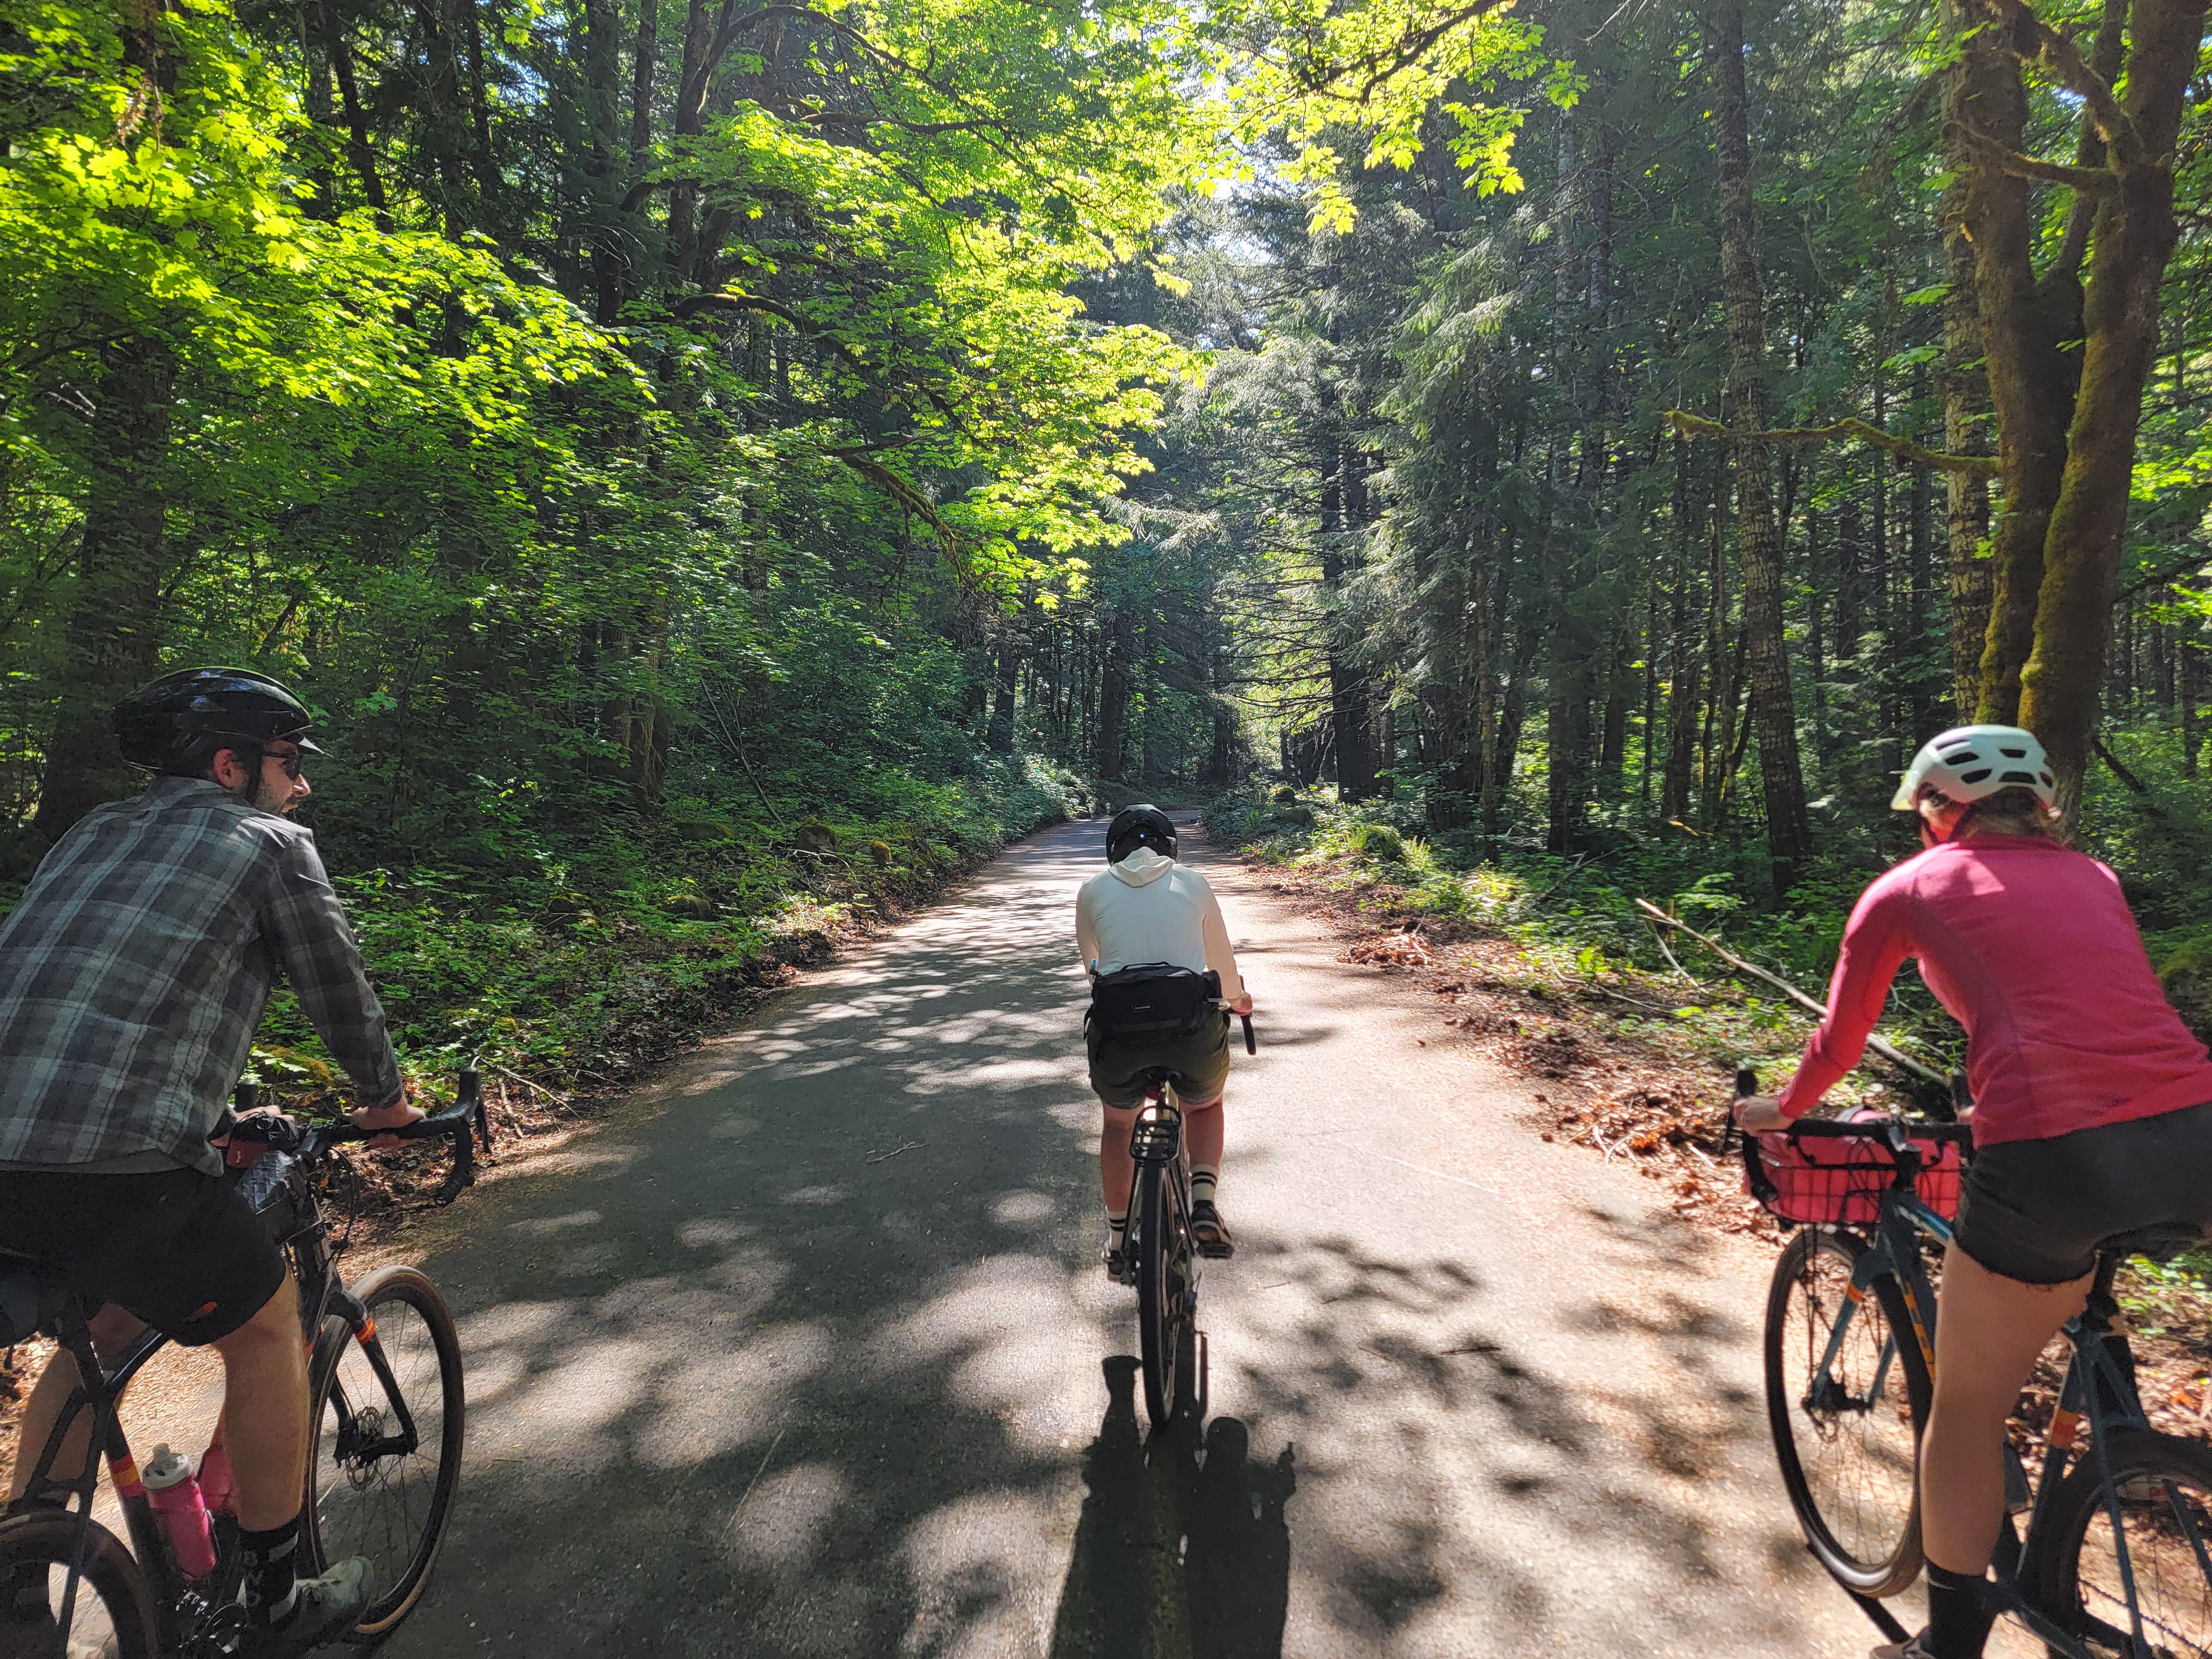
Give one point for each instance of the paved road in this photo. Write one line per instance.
(806, 1351)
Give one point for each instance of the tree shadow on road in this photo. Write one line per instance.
(1184, 1548)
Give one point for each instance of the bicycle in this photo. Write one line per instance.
(385, 1389)
(2116, 1560)
(1164, 1256)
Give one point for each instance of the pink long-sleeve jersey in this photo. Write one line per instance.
(2032, 948)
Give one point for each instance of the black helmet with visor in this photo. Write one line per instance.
(1139, 826)
(179, 723)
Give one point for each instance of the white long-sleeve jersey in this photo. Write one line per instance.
(1152, 908)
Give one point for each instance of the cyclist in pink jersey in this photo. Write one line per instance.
(2091, 1115)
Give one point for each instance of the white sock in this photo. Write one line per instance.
(1117, 1228)
(1203, 1179)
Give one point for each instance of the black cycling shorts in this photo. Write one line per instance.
(2037, 1211)
(179, 1249)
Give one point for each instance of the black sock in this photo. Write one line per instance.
(1959, 1614)
(268, 1559)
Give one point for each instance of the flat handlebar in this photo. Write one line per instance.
(1896, 1133)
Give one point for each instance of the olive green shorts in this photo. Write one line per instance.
(1198, 1061)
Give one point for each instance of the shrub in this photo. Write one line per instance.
(1378, 841)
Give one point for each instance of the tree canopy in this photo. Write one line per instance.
(679, 444)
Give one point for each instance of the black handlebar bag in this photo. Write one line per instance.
(1152, 1001)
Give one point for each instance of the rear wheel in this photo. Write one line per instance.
(110, 1617)
(2160, 1488)
(388, 1417)
(1167, 1291)
(1847, 1426)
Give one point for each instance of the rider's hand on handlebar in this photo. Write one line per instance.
(400, 1112)
(1243, 1005)
(1760, 1113)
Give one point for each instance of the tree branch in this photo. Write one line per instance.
(1696, 426)
(2089, 181)
(2032, 41)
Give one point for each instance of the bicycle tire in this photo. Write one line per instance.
(1856, 1493)
(1166, 1340)
(124, 1626)
(2161, 1478)
(343, 1515)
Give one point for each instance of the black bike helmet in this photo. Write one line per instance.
(178, 723)
(1139, 826)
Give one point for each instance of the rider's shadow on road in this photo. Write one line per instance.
(1181, 1549)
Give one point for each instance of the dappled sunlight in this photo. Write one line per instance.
(836, 1355)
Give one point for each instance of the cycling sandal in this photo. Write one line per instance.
(1211, 1231)
(328, 1607)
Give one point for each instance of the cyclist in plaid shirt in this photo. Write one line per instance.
(132, 974)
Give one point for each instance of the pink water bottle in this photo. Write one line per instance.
(174, 1492)
(218, 1488)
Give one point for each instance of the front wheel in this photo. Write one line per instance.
(388, 1417)
(111, 1613)
(1167, 1297)
(1847, 1394)
(2128, 1557)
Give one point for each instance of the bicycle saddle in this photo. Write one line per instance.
(2161, 1242)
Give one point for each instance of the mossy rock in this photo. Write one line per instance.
(1378, 841)
(814, 836)
(689, 904)
(1301, 817)
(880, 851)
(1284, 794)
(704, 830)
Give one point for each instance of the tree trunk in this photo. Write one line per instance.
(114, 635)
(1348, 683)
(2027, 374)
(1966, 407)
(1000, 737)
(1773, 710)
(2133, 234)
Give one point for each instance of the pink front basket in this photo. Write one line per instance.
(1841, 1181)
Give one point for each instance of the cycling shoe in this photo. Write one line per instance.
(328, 1607)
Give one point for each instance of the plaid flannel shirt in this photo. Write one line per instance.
(136, 965)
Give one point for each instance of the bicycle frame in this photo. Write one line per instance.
(2099, 1390)
(100, 1392)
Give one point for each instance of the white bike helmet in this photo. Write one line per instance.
(1972, 763)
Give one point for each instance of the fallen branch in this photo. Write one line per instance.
(1895, 1056)
(559, 1100)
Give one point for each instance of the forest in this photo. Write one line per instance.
(716, 468)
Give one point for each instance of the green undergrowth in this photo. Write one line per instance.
(586, 962)
(1581, 937)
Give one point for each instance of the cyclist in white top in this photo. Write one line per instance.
(1145, 908)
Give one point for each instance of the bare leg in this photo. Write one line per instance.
(1203, 1131)
(1117, 1174)
(265, 1371)
(1988, 1330)
(113, 1330)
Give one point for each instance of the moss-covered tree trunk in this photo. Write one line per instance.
(1773, 707)
(114, 637)
(2067, 495)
